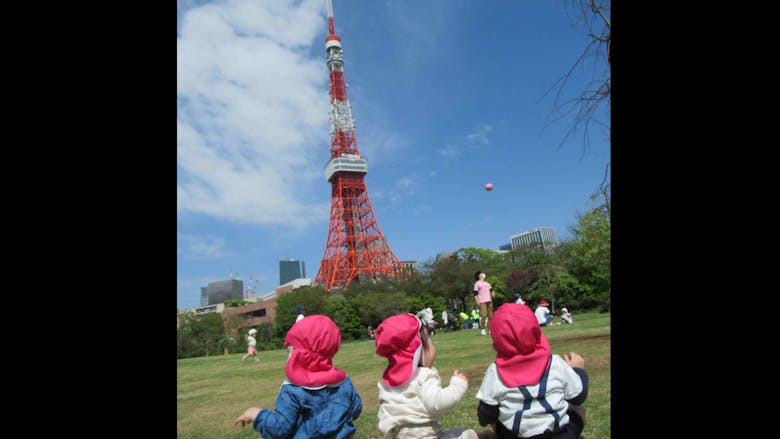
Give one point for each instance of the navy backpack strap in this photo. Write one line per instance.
(528, 398)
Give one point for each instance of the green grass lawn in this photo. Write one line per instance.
(213, 391)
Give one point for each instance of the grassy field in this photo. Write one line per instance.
(213, 391)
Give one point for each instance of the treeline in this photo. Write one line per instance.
(575, 274)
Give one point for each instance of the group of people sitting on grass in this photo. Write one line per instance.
(545, 317)
(527, 391)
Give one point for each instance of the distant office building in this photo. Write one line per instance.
(222, 290)
(263, 310)
(290, 270)
(217, 308)
(410, 265)
(540, 236)
(204, 296)
(505, 247)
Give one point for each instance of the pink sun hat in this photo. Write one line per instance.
(398, 339)
(315, 340)
(522, 351)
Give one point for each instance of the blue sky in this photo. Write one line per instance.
(447, 95)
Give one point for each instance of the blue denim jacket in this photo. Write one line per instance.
(301, 413)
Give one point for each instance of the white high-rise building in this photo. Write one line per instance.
(544, 236)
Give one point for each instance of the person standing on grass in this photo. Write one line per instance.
(411, 398)
(251, 342)
(483, 295)
(527, 391)
(317, 400)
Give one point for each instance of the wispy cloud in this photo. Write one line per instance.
(252, 111)
(479, 135)
(421, 209)
(200, 247)
(450, 151)
(405, 186)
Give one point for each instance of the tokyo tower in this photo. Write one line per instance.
(356, 249)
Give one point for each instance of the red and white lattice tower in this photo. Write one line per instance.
(356, 249)
(250, 288)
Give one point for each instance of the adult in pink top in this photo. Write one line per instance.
(483, 294)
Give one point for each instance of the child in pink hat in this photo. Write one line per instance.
(316, 400)
(528, 391)
(411, 398)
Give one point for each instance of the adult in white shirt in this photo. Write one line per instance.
(542, 313)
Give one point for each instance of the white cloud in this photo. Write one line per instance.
(252, 123)
(449, 151)
(480, 135)
(405, 186)
(201, 247)
(421, 209)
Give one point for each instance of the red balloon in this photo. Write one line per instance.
(489, 186)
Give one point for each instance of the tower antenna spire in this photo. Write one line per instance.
(331, 26)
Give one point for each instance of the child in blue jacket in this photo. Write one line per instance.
(317, 400)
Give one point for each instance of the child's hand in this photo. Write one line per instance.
(248, 416)
(456, 373)
(574, 360)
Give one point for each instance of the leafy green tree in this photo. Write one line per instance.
(311, 297)
(515, 282)
(234, 324)
(375, 304)
(490, 262)
(266, 337)
(588, 255)
(200, 335)
(541, 274)
(451, 279)
(415, 304)
(474, 254)
(499, 287)
(344, 316)
(232, 303)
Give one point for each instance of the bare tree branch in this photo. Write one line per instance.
(604, 191)
(599, 9)
(593, 16)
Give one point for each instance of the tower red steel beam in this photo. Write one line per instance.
(356, 249)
